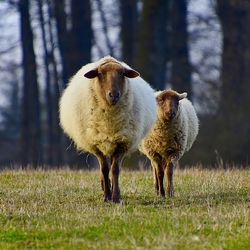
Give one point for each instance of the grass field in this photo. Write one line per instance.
(64, 210)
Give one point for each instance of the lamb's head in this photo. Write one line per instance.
(168, 104)
(111, 82)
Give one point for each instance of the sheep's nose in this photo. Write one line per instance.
(113, 97)
(171, 114)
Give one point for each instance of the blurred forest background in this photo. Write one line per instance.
(198, 46)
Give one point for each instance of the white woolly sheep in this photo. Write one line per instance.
(106, 110)
(172, 135)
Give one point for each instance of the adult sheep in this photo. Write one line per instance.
(172, 135)
(106, 110)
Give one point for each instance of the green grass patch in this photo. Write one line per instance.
(64, 210)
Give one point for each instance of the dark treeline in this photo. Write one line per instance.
(57, 37)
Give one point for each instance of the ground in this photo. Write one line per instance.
(63, 209)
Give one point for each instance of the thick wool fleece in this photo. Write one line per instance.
(173, 138)
(96, 126)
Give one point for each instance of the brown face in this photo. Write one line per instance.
(111, 80)
(167, 103)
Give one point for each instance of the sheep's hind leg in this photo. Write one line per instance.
(116, 161)
(104, 176)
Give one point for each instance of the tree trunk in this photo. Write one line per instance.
(233, 140)
(65, 45)
(151, 55)
(129, 23)
(49, 127)
(81, 33)
(30, 138)
(63, 38)
(75, 49)
(57, 132)
(105, 27)
(181, 70)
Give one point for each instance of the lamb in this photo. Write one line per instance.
(172, 135)
(106, 110)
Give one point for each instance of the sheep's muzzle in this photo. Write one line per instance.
(113, 97)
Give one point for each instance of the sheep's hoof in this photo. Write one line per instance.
(116, 199)
(107, 198)
(170, 192)
(162, 193)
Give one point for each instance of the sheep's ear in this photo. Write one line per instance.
(130, 73)
(183, 95)
(92, 73)
(158, 99)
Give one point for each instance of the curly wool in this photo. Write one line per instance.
(95, 126)
(172, 138)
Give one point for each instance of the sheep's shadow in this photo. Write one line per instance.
(212, 199)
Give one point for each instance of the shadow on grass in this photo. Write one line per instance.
(207, 199)
(213, 199)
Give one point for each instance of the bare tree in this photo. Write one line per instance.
(63, 38)
(105, 27)
(30, 141)
(180, 70)
(233, 139)
(151, 55)
(81, 33)
(49, 128)
(57, 133)
(129, 23)
(10, 122)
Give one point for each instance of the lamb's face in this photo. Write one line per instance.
(168, 104)
(111, 80)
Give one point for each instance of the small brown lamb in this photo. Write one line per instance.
(172, 135)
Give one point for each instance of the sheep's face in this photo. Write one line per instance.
(168, 104)
(111, 80)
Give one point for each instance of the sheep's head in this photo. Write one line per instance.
(168, 103)
(111, 80)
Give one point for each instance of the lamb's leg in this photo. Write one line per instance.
(156, 163)
(160, 174)
(169, 172)
(104, 175)
(116, 160)
(156, 181)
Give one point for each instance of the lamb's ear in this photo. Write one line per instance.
(157, 99)
(130, 73)
(183, 95)
(92, 73)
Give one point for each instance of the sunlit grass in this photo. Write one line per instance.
(64, 210)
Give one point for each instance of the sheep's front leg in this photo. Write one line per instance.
(159, 172)
(156, 182)
(169, 172)
(116, 161)
(104, 176)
